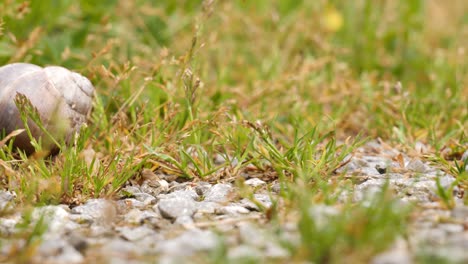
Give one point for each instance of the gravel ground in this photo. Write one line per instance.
(175, 222)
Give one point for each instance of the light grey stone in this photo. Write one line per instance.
(255, 182)
(273, 250)
(322, 213)
(263, 199)
(451, 228)
(136, 216)
(98, 211)
(119, 248)
(173, 259)
(458, 239)
(219, 159)
(243, 252)
(276, 188)
(57, 251)
(460, 212)
(132, 190)
(429, 186)
(464, 156)
(9, 245)
(353, 165)
(175, 207)
(218, 193)
(251, 234)
(180, 194)
(130, 203)
(188, 243)
(155, 188)
(232, 210)
(421, 147)
(146, 199)
(207, 207)
(6, 200)
(134, 234)
(78, 242)
(416, 165)
(449, 254)
(56, 217)
(8, 224)
(248, 204)
(433, 236)
(202, 188)
(368, 189)
(176, 186)
(222, 159)
(184, 220)
(398, 254)
(97, 230)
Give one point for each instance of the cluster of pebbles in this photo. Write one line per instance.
(174, 222)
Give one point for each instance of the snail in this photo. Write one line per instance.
(63, 100)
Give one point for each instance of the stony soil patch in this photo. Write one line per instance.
(177, 222)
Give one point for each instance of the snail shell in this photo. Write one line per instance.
(61, 97)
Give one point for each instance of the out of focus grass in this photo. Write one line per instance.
(290, 86)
